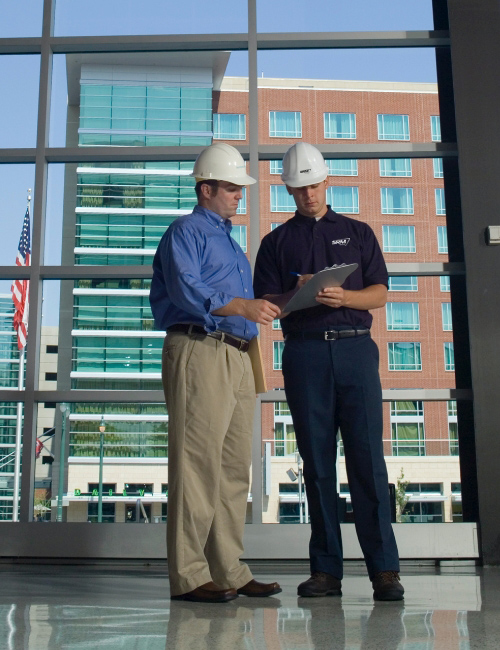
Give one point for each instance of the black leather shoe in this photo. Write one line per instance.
(208, 593)
(256, 589)
(320, 584)
(386, 586)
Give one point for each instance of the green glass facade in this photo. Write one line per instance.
(9, 371)
(122, 210)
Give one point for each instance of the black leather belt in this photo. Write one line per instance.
(240, 344)
(330, 335)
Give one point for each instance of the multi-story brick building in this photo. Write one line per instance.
(402, 200)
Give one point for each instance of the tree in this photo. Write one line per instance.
(401, 497)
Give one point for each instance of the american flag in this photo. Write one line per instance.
(21, 288)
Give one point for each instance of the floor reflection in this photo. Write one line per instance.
(42, 608)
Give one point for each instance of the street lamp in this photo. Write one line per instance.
(102, 429)
(62, 450)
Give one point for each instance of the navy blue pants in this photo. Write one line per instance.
(331, 385)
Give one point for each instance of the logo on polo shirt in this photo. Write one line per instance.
(341, 242)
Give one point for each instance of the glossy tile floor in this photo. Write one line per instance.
(128, 607)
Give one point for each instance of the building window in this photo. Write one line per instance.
(275, 225)
(403, 283)
(277, 354)
(108, 513)
(402, 316)
(347, 167)
(285, 124)
(242, 204)
(276, 324)
(52, 349)
(343, 199)
(423, 512)
(393, 127)
(453, 427)
(285, 443)
(437, 164)
(446, 316)
(284, 433)
(51, 376)
(275, 166)
(449, 357)
(407, 428)
(239, 234)
(281, 201)
(340, 125)
(444, 283)
(442, 239)
(229, 127)
(398, 239)
(440, 204)
(404, 356)
(396, 200)
(436, 128)
(395, 166)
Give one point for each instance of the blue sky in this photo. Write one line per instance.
(19, 74)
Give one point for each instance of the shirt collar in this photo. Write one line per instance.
(213, 218)
(301, 220)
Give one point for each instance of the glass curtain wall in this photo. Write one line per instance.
(135, 123)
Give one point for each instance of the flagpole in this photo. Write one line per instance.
(19, 426)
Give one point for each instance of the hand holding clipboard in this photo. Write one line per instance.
(305, 297)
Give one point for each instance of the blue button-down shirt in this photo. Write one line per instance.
(199, 268)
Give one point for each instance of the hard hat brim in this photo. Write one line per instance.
(239, 180)
(304, 182)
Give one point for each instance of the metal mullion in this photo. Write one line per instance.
(253, 119)
(85, 396)
(385, 149)
(426, 268)
(150, 43)
(11, 156)
(235, 41)
(391, 395)
(21, 45)
(35, 315)
(343, 40)
(96, 272)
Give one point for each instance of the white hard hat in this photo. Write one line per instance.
(303, 165)
(221, 162)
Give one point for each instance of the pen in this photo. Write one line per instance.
(295, 273)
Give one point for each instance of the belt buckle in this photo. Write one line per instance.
(331, 335)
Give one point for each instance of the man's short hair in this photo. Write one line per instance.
(209, 181)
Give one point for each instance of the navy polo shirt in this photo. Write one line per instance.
(304, 245)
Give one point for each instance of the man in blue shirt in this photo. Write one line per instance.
(202, 296)
(330, 370)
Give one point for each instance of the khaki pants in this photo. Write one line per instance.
(210, 395)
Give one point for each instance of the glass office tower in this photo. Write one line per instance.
(115, 214)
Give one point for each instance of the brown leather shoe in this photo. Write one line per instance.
(320, 584)
(208, 593)
(255, 589)
(387, 586)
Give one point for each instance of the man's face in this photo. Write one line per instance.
(310, 199)
(225, 201)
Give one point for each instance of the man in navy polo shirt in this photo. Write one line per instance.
(330, 369)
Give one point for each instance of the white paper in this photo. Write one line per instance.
(306, 295)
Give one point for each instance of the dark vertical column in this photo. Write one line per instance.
(454, 226)
(475, 49)
(35, 315)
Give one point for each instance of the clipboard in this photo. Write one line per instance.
(306, 295)
(255, 354)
